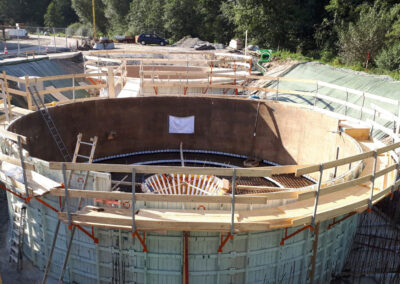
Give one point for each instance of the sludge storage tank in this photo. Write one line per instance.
(227, 132)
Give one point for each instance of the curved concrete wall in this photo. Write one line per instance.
(285, 134)
(255, 257)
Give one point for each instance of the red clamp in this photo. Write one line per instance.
(141, 240)
(224, 241)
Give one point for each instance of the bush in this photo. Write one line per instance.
(367, 35)
(389, 58)
(79, 29)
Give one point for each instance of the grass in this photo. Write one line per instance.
(335, 62)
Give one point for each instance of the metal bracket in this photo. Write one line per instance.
(224, 241)
(286, 237)
(141, 240)
(335, 222)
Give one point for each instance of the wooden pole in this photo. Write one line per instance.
(373, 180)
(7, 93)
(110, 81)
(3, 93)
(321, 171)
(28, 94)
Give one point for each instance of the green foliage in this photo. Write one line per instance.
(287, 54)
(389, 59)
(368, 34)
(146, 16)
(29, 12)
(181, 18)
(290, 23)
(335, 31)
(79, 29)
(59, 14)
(116, 12)
(83, 8)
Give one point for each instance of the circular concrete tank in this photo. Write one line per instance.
(284, 135)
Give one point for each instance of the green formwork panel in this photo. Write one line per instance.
(255, 257)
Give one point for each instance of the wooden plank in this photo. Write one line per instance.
(16, 79)
(20, 110)
(248, 172)
(17, 162)
(388, 148)
(64, 77)
(377, 197)
(113, 195)
(336, 163)
(336, 187)
(358, 134)
(287, 169)
(16, 92)
(260, 187)
(12, 136)
(76, 88)
(60, 97)
(159, 219)
(385, 171)
(82, 100)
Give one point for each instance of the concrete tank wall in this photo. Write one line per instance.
(255, 257)
(285, 134)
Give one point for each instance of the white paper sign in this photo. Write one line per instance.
(181, 125)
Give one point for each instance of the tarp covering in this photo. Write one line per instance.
(383, 86)
(49, 67)
(181, 125)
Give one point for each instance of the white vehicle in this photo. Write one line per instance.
(13, 33)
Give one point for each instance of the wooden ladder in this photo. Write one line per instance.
(89, 159)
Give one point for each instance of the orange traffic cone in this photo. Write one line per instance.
(5, 50)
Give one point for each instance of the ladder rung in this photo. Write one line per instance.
(14, 240)
(87, 143)
(14, 249)
(14, 258)
(82, 156)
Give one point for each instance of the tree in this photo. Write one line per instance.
(368, 34)
(146, 16)
(182, 18)
(83, 8)
(213, 26)
(59, 14)
(116, 12)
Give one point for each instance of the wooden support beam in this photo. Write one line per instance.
(248, 172)
(17, 162)
(12, 136)
(160, 219)
(336, 163)
(115, 195)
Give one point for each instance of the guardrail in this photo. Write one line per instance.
(26, 81)
(389, 173)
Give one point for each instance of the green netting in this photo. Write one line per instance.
(378, 85)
